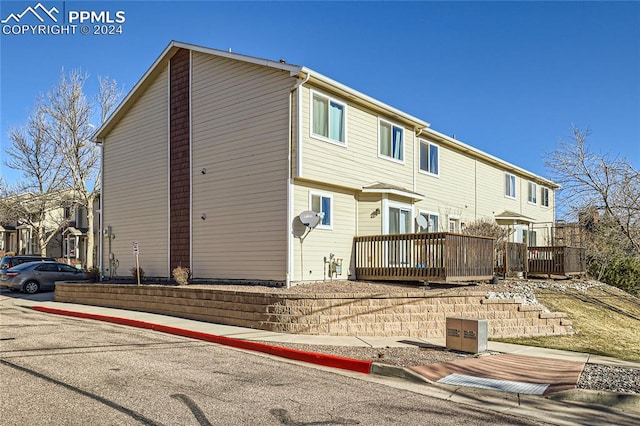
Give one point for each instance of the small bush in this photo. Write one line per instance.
(94, 274)
(622, 272)
(181, 275)
(486, 227)
(134, 274)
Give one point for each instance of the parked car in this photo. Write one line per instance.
(10, 261)
(31, 277)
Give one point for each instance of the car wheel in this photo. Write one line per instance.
(31, 287)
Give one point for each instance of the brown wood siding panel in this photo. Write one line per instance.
(179, 160)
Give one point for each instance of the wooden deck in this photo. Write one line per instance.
(437, 256)
(542, 260)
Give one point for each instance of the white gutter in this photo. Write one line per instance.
(463, 147)
(356, 95)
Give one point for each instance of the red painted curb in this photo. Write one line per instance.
(342, 363)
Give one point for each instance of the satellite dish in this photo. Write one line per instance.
(422, 222)
(309, 218)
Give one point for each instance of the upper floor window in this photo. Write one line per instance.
(391, 140)
(544, 195)
(532, 193)
(322, 204)
(429, 157)
(328, 118)
(509, 185)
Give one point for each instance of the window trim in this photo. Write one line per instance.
(430, 213)
(387, 204)
(380, 154)
(532, 189)
(331, 205)
(543, 190)
(457, 221)
(329, 99)
(515, 192)
(428, 143)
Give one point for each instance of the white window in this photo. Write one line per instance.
(323, 205)
(399, 220)
(454, 224)
(429, 157)
(544, 195)
(509, 185)
(432, 221)
(328, 118)
(532, 193)
(391, 140)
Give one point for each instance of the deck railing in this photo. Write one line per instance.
(540, 260)
(511, 258)
(437, 256)
(557, 260)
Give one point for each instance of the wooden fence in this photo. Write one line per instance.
(516, 258)
(557, 260)
(437, 256)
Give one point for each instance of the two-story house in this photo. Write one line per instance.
(65, 226)
(211, 157)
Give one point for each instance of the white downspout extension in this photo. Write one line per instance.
(101, 218)
(290, 186)
(290, 213)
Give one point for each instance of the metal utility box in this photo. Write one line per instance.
(467, 334)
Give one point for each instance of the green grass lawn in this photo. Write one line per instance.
(606, 322)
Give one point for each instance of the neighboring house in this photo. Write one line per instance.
(211, 157)
(69, 223)
(74, 235)
(8, 239)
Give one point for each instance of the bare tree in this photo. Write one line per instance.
(487, 227)
(59, 162)
(72, 112)
(39, 194)
(610, 185)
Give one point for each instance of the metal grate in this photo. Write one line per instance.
(499, 385)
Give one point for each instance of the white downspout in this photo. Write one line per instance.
(290, 185)
(101, 225)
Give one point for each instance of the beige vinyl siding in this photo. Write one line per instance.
(369, 222)
(452, 192)
(471, 189)
(320, 243)
(135, 194)
(357, 163)
(240, 135)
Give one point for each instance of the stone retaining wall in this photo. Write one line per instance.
(415, 314)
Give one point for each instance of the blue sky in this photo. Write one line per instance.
(509, 78)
